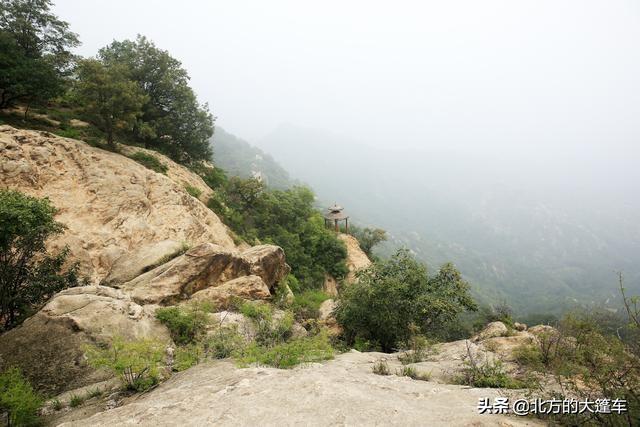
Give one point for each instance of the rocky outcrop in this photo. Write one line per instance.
(48, 346)
(248, 287)
(343, 391)
(356, 258)
(493, 329)
(207, 266)
(113, 207)
(327, 318)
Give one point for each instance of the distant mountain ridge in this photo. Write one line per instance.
(240, 158)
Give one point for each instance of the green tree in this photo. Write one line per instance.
(29, 275)
(172, 120)
(108, 97)
(34, 52)
(368, 237)
(395, 298)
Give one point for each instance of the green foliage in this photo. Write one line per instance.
(287, 219)
(56, 404)
(186, 324)
(76, 400)
(187, 356)
(368, 238)
(34, 52)
(270, 330)
(418, 348)
(69, 133)
(381, 367)
(171, 119)
(487, 374)
(396, 297)
(149, 161)
(288, 354)
(408, 371)
(137, 363)
(306, 305)
(96, 392)
(193, 191)
(108, 97)
(585, 361)
(18, 398)
(500, 312)
(224, 342)
(28, 274)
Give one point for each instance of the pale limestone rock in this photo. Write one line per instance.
(327, 318)
(112, 206)
(204, 266)
(343, 391)
(356, 258)
(493, 329)
(131, 265)
(48, 346)
(519, 326)
(247, 287)
(330, 285)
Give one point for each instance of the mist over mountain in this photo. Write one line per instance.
(539, 227)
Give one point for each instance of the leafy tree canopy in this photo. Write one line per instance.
(29, 275)
(172, 120)
(395, 298)
(108, 97)
(34, 51)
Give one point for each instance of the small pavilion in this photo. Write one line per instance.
(334, 215)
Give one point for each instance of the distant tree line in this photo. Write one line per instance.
(131, 89)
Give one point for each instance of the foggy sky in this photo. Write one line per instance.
(535, 82)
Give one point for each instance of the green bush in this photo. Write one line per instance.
(381, 367)
(288, 354)
(188, 356)
(186, 324)
(76, 400)
(29, 275)
(487, 374)
(149, 161)
(18, 398)
(69, 133)
(224, 342)
(306, 305)
(193, 191)
(137, 363)
(408, 371)
(270, 330)
(396, 298)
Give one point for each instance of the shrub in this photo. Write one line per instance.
(418, 348)
(69, 133)
(18, 398)
(408, 371)
(149, 161)
(487, 374)
(306, 305)
(193, 191)
(186, 324)
(394, 298)
(56, 404)
(29, 275)
(137, 363)
(224, 343)
(187, 356)
(288, 354)
(381, 368)
(76, 400)
(96, 392)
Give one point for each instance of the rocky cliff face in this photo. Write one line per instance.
(128, 227)
(114, 208)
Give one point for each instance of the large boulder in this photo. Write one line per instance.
(493, 329)
(48, 346)
(247, 287)
(112, 206)
(206, 266)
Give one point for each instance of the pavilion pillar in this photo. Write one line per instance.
(336, 222)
